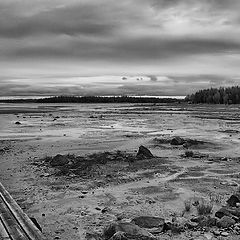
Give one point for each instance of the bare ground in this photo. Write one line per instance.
(68, 204)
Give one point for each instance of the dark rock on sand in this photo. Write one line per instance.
(18, 123)
(59, 160)
(128, 228)
(144, 153)
(233, 200)
(177, 141)
(225, 222)
(205, 221)
(232, 212)
(149, 222)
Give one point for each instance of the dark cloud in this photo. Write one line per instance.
(161, 39)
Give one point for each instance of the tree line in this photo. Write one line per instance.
(95, 99)
(222, 95)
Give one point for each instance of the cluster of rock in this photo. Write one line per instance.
(79, 164)
(225, 223)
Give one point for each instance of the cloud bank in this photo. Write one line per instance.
(174, 46)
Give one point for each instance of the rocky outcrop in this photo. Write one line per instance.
(177, 141)
(144, 153)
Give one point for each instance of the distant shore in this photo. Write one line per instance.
(94, 99)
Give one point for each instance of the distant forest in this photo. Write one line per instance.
(228, 95)
(95, 99)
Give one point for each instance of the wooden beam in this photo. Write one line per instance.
(12, 214)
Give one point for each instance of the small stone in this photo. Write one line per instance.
(208, 236)
(224, 234)
(226, 222)
(104, 210)
(216, 232)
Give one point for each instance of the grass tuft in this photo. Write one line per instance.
(204, 207)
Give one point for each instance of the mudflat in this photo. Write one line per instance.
(195, 148)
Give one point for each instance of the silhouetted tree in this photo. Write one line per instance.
(228, 95)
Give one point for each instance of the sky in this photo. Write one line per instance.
(109, 47)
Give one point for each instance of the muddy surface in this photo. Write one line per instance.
(103, 180)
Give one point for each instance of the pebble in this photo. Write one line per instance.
(208, 236)
(216, 232)
(224, 234)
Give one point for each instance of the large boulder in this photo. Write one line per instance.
(144, 153)
(149, 222)
(59, 160)
(128, 228)
(233, 200)
(177, 141)
(225, 222)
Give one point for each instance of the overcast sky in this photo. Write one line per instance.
(109, 47)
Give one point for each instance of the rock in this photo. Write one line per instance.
(232, 212)
(17, 123)
(205, 221)
(177, 141)
(191, 225)
(208, 236)
(106, 209)
(224, 234)
(225, 222)
(178, 224)
(59, 160)
(149, 222)
(125, 236)
(233, 200)
(189, 154)
(216, 232)
(144, 153)
(128, 228)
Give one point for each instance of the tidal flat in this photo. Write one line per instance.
(101, 179)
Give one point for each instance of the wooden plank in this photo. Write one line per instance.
(28, 227)
(10, 224)
(3, 232)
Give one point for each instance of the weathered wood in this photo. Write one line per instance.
(10, 224)
(12, 215)
(3, 232)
